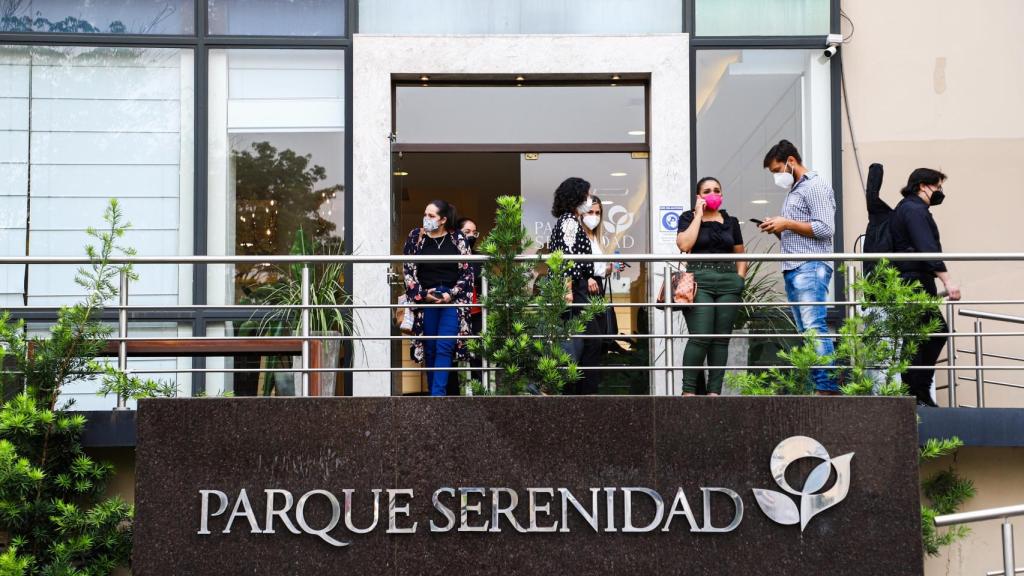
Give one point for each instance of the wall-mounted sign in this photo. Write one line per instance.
(596, 485)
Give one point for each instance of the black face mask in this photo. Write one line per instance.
(470, 241)
(937, 197)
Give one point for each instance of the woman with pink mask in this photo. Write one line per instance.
(708, 229)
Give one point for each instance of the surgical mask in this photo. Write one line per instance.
(591, 221)
(937, 197)
(713, 200)
(785, 179)
(586, 206)
(431, 225)
(470, 241)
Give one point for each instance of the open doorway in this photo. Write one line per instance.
(470, 144)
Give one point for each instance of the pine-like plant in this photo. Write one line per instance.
(875, 348)
(526, 332)
(51, 492)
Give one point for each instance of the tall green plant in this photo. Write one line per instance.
(875, 348)
(526, 332)
(51, 492)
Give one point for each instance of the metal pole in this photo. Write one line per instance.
(1009, 565)
(979, 357)
(669, 377)
(486, 375)
(951, 353)
(304, 327)
(122, 332)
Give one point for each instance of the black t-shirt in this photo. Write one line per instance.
(714, 237)
(434, 274)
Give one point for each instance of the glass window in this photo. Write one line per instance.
(520, 16)
(277, 17)
(98, 16)
(79, 126)
(277, 159)
(748, 100)
(762, 17)
(517, 115)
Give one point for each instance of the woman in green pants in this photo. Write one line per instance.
(708, 229)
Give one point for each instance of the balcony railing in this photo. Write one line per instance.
(663, 334)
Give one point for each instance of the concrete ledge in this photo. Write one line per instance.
(981, 427)
(109, 428)
(985, 427)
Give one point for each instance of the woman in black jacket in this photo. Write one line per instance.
(573, 200)
(914, 230)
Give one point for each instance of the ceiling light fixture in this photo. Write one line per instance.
(618, 174)
(636, 132)
(758, 201)
(400, 173)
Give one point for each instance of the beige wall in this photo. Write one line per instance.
(997, 474)
(940, 84)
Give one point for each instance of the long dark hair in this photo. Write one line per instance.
(922, 176)
(569, 194)
(705, 180)
(446, 210)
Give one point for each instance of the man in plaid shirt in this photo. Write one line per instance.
(806, 226)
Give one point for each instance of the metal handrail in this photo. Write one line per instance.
(992, 316)
(667, 363)
(1004, 513)
(399, 259)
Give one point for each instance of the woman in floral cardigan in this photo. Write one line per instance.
(432, 286)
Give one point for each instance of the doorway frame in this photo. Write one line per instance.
(381, 60)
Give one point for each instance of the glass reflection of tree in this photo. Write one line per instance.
(15, 17)
(276, 195)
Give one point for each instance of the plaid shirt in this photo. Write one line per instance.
(811, 200)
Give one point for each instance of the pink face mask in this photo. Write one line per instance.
(714, 201)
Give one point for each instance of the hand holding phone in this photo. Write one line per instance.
(756, 221)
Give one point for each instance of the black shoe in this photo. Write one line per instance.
(927, 402)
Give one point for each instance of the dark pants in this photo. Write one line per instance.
(919, 382)
(439, 353)
(476, 322)
(713, 285)
(591, 350)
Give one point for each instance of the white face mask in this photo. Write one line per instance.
(591, 221)
(784, 179)
(586, 206)
(430, 225)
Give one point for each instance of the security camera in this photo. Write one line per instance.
(831, 50)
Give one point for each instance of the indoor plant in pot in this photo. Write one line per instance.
(326, 288)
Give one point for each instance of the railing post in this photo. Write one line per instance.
(979, 358)
(122, 331)
(304, 330)
(951, 354)
(1009, 566)
(485, 374)
(669, 344)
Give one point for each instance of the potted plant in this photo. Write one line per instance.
(326, 288)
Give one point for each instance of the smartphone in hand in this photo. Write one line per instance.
(756, 221)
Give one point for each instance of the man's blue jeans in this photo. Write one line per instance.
(439, 353)
(809, 283)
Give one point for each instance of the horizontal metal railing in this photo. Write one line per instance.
(664, 363)
(1004, 513)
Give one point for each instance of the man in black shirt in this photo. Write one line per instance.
(914, 230)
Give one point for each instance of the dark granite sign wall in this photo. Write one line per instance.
(527, 486)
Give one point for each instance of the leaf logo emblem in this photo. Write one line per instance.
(780, 506)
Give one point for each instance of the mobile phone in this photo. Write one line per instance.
(756, 221)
